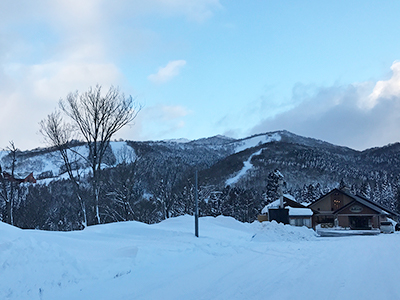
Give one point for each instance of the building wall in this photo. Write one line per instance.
(343, 221)
(331, 202)
(334, 201)
(376, 221)
(262, 218)
(353, 210)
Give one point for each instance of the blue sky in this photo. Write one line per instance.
(323, 69)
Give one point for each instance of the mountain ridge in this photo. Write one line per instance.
(159, 176)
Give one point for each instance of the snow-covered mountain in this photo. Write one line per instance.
(303, 160)
(46, 162)
(231, 172)
(230, 259)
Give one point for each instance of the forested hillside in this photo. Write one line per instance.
(152, 181)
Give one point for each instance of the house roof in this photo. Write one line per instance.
(364, 201)
(380, 206)
(299, 212)
(295, 208)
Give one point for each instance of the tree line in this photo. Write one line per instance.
(134, 188)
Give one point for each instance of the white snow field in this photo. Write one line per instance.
(230, 260)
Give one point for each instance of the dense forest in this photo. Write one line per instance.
(152, 181)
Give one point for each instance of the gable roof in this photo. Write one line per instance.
(363, 203)
(379, 205)
(361, 199)
(373, 205)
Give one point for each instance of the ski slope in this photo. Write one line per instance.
(247, 165)
(257, 140)
(230, 260)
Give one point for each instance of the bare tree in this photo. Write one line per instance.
(58, 134)
(122, 192)
(97, 117)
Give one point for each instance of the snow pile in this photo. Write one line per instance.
(276, 232)
(31, 267)
(230, 260)
(8, 232)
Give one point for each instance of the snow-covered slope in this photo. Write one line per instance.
(246, 166)
(256, 140)
(230, 260)
(46, 163)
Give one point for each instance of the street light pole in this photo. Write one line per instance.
(196, 209)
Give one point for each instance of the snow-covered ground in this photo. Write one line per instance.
(230, 260)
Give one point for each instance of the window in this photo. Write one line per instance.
(325, 219)
(301, 222)
(337, 203)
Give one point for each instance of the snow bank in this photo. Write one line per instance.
(230, 260)
(278, 232)
(8, 232)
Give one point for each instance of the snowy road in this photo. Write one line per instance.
(230, 260)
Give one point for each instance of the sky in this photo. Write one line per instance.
(323, 69)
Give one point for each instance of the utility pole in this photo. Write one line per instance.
(196, 209)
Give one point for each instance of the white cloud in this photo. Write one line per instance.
(29, 93)
(168, 72)
(32, 81)
(358, 115)
(197, 10)
(50, 48)
(384, 89)
(192, 10)
(61, 78)
(157, 122)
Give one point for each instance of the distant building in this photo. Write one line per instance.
(292, 213)
(20, 178)
(340, 208)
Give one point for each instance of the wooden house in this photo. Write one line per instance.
(340, 208)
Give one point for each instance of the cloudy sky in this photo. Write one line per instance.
(323, 69)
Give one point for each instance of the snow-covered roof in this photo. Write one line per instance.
(276, 203)
(290, 197)
(295, 211)
(264, 210)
